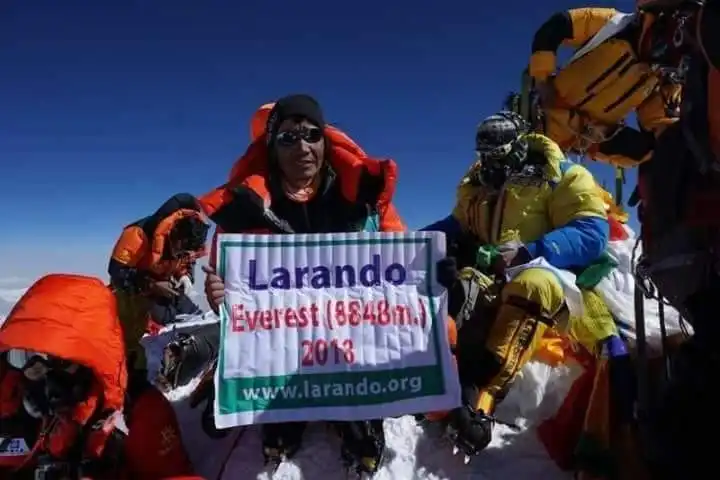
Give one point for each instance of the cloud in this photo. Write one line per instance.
(11, 295)
(11, 289)
(23, 264)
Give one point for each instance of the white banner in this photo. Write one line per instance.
(332, 327)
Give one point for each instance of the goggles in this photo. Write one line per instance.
(36, 366)
(495, 153)
(292, 137)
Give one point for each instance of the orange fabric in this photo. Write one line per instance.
(452, 332)
(154, 447)
(552, 349)
(135, 249)
(131, 247)
(258, 122)
(390, 220)
(62, 433)
(347, 158)
(160, 236)
(251, 171)
(73, 317)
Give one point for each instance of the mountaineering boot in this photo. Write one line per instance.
(469, 427)
(281, 441)
(362, 445)
(469, 430)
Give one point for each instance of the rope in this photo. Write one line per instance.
(229, 453)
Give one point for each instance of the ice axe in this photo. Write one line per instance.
(525, 102)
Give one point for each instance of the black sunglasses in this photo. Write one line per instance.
(292, 137)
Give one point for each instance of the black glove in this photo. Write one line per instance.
(447, 271)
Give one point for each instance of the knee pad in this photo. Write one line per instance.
(537, 291)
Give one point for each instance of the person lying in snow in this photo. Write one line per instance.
(520, 201)
(317, 180)
(66, 408)
(151, 269)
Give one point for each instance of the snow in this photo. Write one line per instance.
(415, 453)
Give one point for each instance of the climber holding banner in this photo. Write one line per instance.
(357, 339)
(301, 175)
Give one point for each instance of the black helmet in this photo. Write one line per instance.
(500, 146)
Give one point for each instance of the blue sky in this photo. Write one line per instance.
(108, 107)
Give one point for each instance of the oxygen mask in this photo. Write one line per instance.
(52, 384)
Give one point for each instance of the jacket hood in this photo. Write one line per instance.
(75, 318)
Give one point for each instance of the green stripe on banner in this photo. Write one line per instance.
(339, 389)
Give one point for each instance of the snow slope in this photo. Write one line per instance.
(413, 454)
(416, 454)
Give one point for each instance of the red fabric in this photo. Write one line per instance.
(153, 328)
(154, 447)
(560, 433)
(617, 230)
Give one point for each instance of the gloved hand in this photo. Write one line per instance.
(509, 255)
(485, 257)
(447, 271)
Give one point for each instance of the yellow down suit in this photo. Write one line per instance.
(558, 214)
(611, 74)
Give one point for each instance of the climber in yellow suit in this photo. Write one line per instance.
(521, 200)
(612, 73)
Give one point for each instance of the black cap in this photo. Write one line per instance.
(294, 106)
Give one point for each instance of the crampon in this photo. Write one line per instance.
(467, 431)
(363, 447)
(280, 442)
